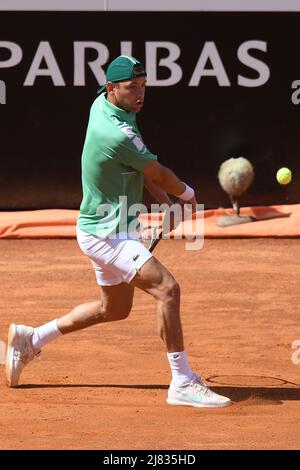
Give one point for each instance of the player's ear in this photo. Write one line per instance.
(110, 86)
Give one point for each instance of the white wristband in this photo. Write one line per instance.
(188, 194)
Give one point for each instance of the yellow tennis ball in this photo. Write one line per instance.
(284, 175)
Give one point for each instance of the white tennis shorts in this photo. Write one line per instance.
(114, 260)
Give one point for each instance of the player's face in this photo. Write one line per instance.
(129, 95)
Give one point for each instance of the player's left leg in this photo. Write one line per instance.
(115, 262)
(25, 342)
(115, 304)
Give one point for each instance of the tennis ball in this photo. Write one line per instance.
(284, 175)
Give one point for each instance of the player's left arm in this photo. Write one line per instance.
(158, 193)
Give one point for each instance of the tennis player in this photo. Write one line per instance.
(116, 162)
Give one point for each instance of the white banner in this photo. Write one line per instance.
(150, 5)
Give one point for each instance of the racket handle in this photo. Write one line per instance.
(154, 244)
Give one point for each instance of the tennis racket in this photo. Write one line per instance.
(152, 234)
(150, 237)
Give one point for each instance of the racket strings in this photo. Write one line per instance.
(149, 237)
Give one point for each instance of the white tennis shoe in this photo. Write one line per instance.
(195, 393)
(19, 352)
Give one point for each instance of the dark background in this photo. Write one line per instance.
(192, 129)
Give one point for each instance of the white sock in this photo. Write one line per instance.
(180, 368)
(44, 334)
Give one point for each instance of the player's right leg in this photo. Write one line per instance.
(186, 387)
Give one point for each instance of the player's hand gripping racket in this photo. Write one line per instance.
(150, 236)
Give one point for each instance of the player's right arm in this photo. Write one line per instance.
(133, 152)
(169, 182)
(157, 192)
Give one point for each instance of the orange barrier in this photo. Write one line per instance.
(50, 223)
(270, 221)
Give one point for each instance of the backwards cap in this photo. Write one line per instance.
(123, 68)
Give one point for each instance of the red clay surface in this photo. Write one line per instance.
(105, 387)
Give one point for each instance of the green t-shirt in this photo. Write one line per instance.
(113, 159)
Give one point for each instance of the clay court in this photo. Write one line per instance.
(105, 387)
